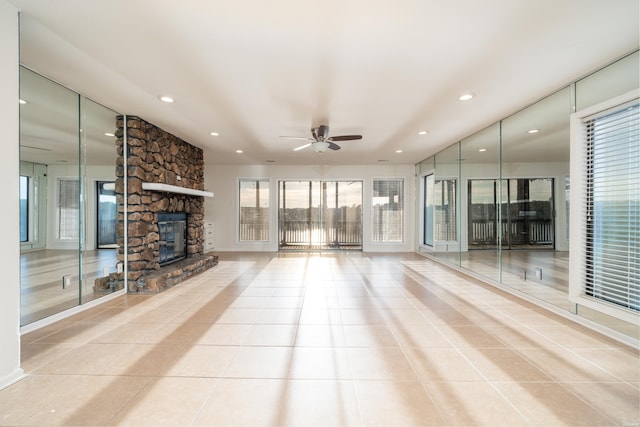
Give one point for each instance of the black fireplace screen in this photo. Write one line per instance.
(172, 228)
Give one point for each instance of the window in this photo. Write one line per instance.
(68, 209)
(428, 210)
(444, 194)
(24, 208)
(388, 210)
(254, 210)
(608, 266)
(107, 214)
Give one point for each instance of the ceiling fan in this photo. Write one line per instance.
(321, 140)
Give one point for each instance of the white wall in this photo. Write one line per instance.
(10, 213)
(222, 180)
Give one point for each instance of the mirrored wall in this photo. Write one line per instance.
(497, 202)
(67, 199)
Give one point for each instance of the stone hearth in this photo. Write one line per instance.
(156, 156)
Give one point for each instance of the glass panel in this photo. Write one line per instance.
(428, 210)
(24, 208)
(98, 164)
(67, 146)
(480, 217)
(107, 215)
(346, 217)
(483, 213)
(295, 215)
(535, 153)
(49, 137)
(616, 79)
(254, 210)
(445, 205)
(529, 219)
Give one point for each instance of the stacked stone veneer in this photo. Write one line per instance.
(156, 156)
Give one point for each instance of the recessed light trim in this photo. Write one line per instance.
(398, 151)
(22, 101)
(423, 132)
(466, 96)
(109, 134)
(533, 131)
(214, 134)
(482, 150)
(239, 151)
(166, 99)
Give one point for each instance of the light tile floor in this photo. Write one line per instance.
(342, 339)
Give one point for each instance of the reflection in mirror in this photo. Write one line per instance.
(424, 182)
(59, 169)
(480, 190)
(616, 79)
(535, 156)
(99, 213)
(515, 189)
(444, 196)
(49, 260)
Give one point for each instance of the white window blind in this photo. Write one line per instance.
(68, 209)
(611, 215)
(388, 210)
(445, 228)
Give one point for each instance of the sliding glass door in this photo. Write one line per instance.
(320, 215)
(515, 213)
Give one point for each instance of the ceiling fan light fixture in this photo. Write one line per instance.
(320, 146)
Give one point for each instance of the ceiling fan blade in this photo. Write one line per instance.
(333, 146)
(302, 146)
(297, 137)
(344, 138)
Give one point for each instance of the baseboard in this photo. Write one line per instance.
(11, 378)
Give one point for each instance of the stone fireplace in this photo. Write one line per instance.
(165, 181)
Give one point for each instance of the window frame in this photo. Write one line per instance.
(578, 207)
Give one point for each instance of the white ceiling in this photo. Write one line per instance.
(253, 70)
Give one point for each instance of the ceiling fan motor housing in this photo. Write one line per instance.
(321, 132)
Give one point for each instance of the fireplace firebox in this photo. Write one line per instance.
(172, 228)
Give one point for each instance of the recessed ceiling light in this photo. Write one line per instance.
(214, 134)
(423, 132)
(109, 134)
(22, 101)
(166, 99)
(398, 151)
(239, 151)
(482, 150)
(533, 131)
(466, 97)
